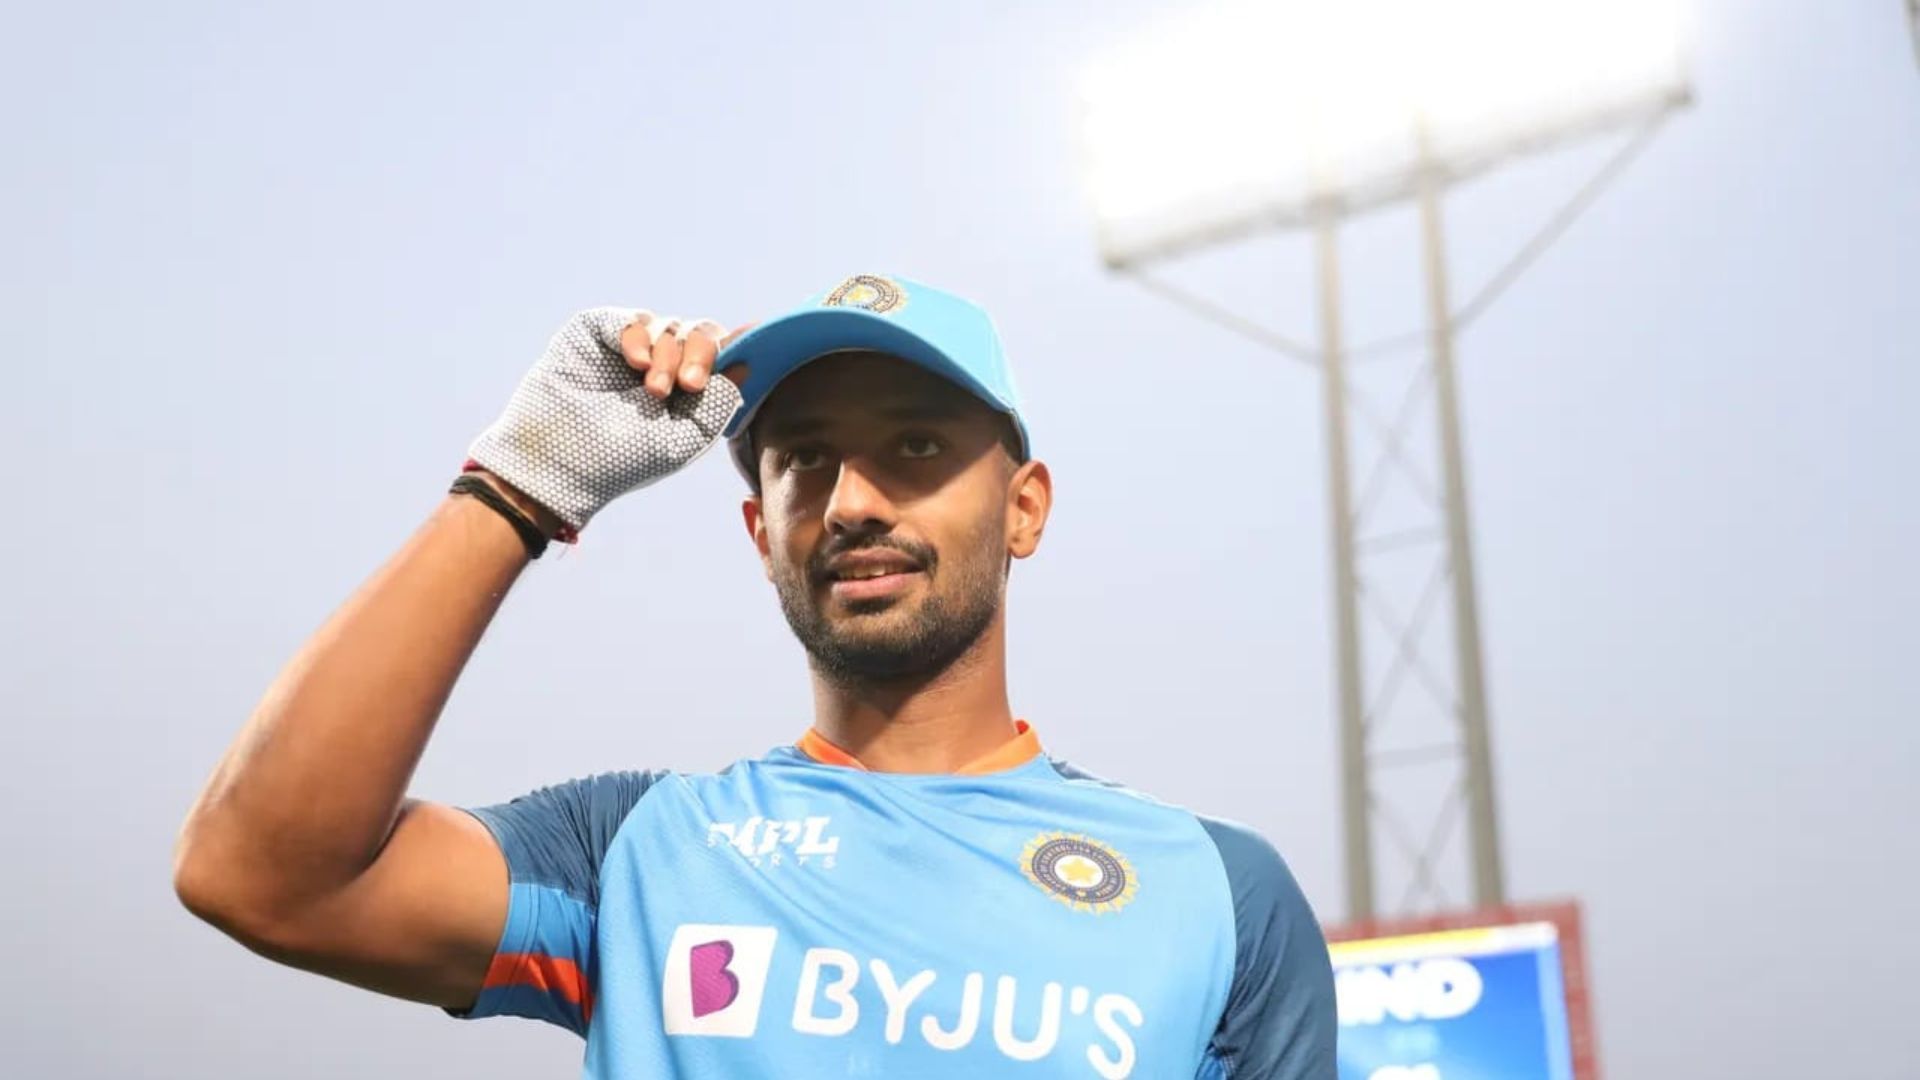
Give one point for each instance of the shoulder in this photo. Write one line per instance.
(1239, 846)
(1262, 885)
(1074, 774)
(557, 835)
(579, 799)
(1257, 872)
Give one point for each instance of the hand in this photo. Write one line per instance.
(619, 400)
(669, 353)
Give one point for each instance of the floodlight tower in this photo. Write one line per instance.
(1251, 117)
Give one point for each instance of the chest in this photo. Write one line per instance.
(912, 929)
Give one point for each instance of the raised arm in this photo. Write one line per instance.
(303, 845)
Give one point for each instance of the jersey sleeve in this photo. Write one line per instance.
(554, 840)
(1279, 1022)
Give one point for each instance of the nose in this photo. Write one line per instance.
(859, 504)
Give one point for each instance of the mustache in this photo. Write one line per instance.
(923, 554)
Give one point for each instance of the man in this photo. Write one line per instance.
(913, 889)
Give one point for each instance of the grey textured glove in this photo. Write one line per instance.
(582, 430)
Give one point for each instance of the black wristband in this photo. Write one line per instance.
(530, 534)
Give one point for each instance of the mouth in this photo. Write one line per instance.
(871, 575)
(874, 587)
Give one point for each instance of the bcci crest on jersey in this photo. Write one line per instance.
(1080, 872)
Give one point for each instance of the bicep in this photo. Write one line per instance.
(421, 922)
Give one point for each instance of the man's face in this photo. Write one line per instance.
(887, 513)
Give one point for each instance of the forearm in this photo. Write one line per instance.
(305, 798)
(303, 846)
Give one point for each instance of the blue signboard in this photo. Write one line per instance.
(1486, 1003)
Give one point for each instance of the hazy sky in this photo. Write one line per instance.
(267, 268)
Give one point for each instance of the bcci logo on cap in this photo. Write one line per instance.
(1080, 872)
(868, 292)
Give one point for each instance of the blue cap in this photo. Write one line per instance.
(948, 335)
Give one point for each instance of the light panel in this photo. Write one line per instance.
(1249, 114)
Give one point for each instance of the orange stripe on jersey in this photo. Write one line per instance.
(815, 745)
(1022, 748)
(555, 975)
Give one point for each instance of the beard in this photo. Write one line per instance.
(896, 640)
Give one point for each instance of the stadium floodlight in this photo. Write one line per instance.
(1259, 114)
(1252, 115)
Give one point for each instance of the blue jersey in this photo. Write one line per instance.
(799, 916)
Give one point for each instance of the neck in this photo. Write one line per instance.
(933, 723)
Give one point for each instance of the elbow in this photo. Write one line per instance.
(242, 896)
(201, 884)
(219, 891)
(197, 892)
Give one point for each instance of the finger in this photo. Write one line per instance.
(737, 373)
(705, 415)
(699, 345)
(664, 360)
(636, 341)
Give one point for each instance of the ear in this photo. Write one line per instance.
(756, 519)
(1029, 501)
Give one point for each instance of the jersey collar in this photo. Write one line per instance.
(1023, 747)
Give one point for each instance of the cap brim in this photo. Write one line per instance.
(775, 350)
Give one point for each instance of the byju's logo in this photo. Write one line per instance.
(772, 841)
(715, 978)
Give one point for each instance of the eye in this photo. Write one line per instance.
(919, 446)
(803, 459)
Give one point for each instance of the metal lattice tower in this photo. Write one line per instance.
(1913, 16)
(1416, 760)
(1297, 116)
(1396, 569)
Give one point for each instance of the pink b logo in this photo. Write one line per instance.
(713, 986)
(714, 978)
